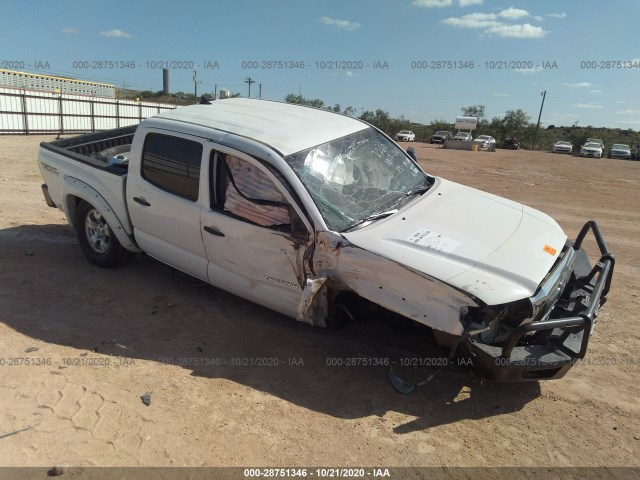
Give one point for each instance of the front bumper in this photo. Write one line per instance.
(622, 155)
(548, 348)
(590, 153)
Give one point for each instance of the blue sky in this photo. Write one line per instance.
(392, 34)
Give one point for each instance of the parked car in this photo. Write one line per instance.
(311, 213)
(591, 149)
(464, 136)
(486, 142)
(440, 136)
(562, 146)
(511, 143)
(405, 136)
(596, 140)
(620, 150)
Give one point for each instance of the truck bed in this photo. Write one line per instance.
(79, 168)
(96, 149)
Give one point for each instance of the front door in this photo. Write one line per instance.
(254, 234)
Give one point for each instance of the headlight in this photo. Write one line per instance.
(552, 287)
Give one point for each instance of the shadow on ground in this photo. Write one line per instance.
(49, 292)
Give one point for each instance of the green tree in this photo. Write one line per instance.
(515, 122)
(349, 111)
(379, 118)
(317, 103)
(474, 111)
(300, 100)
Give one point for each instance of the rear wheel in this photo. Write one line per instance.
(98, 242)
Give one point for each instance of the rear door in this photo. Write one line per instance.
(254, 232)
(165, 198)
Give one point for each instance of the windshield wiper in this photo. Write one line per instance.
(410, 193)
(372, 217)
(417, 191)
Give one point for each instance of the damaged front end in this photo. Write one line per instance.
(543, 336)
(482, 272)
(534, 338)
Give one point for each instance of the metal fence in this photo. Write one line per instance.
(30, 112)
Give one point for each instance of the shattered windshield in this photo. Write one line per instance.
(357, 176)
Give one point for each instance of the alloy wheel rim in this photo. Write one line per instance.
(97, 231)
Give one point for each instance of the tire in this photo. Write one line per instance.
(98, 243)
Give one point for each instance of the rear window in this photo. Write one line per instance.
(172, 164)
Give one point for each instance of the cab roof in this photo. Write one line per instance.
(286, 127)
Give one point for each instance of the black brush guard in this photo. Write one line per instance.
(561, 341)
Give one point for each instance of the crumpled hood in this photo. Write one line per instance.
(490, 247)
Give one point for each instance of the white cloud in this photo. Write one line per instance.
(538, 18)
(473, 20)
(587, 105)
(513, 13)
(342, 24)
(629, 111)
(432, 3)
(595, 91)
(491, 25)
(529, 70)
(517, 31)
(70, 31)
(468, 3)
(556, 15)
(577, 85)
(115, 33)
(629, 122)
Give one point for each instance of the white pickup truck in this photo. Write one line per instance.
(306, 212)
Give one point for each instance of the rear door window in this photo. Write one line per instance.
(172, 164)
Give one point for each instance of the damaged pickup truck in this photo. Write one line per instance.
(301, 210)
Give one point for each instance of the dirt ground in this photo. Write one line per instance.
(106, 337)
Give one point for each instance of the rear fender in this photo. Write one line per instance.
(74, 189)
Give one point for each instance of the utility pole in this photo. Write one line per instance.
(215, 91)
(259, 90)
(535, 135)
(249, 81)
(195, 86)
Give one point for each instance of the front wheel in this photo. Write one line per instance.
(99, 244)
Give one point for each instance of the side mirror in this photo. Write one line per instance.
(412, 153)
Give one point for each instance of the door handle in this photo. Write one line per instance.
(213, 231)
(141, 201)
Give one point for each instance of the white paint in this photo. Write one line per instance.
(499, 256)
(286, 127)
(417, 262)
(433, 240)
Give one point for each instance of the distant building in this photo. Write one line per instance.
(47, 83)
